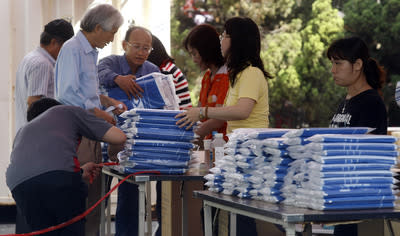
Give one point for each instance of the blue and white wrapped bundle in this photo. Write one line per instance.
(246, 170)
(341, 171)
(155, 142)
(158, 93)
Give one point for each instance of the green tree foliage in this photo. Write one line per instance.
(303, 92)
(295, 37)
(378, 24)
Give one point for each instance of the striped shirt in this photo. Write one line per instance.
(180, 82)
(34, 77)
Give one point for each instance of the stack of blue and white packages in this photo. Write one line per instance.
(154, 142)
(158, 93)
(254, 165)
(340, 169)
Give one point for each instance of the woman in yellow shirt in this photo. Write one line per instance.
(246, 104)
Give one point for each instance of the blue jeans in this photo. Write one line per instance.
(127, 214)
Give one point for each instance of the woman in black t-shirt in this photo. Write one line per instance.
(353, 68)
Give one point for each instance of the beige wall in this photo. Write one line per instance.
(23, 21)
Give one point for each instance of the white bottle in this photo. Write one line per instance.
(207, 153)
(218, 146)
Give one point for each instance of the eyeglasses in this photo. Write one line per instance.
(138, 47)
(223, 35)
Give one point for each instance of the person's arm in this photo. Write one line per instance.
(109, 78)
(114, 136)
(113, 150)
(32, 99)
(181, 84)
(90, 171)
(106, 71)
(240, 111)
(108, 101)
(103, 115)
(208, 126)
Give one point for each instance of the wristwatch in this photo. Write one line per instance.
(201, 115)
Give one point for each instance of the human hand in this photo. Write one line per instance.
(104, 115)
(119, 106)
(189, 118)
(113, 150)
(90, 171)
(129, 86)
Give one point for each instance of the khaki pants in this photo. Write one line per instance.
(90, 150)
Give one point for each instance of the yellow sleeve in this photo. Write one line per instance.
(251, 83)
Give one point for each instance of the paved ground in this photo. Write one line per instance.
(7, 228)
(10, 228)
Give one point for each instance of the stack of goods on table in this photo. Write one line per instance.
(154, 142)
(158, 93)
(254, 165)
(340, 168)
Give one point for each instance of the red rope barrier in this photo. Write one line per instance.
(81, 216)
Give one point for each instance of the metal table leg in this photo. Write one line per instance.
(290, 229)
(207, 219)
(307, 231)
(108, 215)
(148, 209)
(142, 210)
(102, 206)
(232, 223)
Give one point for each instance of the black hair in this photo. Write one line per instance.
(353, 48)
(59, 29)
(158, 55)
(205, 39)
(132, 28)
(40, 106)
(244, 48)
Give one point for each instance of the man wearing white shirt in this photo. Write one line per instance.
(35, 74)
(77, 84)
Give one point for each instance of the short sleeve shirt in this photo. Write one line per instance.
(49, 142)
(35, 77)
(250, 83)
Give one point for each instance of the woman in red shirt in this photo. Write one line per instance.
(204, 46)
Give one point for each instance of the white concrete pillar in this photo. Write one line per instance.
(5, 91)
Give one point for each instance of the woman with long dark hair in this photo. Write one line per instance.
(246, 104)
(362, 76)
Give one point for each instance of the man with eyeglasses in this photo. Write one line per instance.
(121, 71)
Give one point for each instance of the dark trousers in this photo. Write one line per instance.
(90, 151)
(345, 230)
(245, 225)
(20, 223)
(127, 213)
(50, 199)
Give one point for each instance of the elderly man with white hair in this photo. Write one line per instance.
(77, 84)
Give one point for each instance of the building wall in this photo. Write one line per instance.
(23, 21)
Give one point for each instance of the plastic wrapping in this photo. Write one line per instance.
(307, 132)
(341, 138)
(158, 93)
